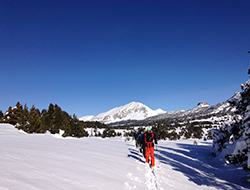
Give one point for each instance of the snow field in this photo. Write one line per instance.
(41, 161)
(184, 165)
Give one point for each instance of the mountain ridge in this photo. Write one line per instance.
(143, 114)
(130, 111)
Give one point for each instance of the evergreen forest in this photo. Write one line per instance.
(35, 121)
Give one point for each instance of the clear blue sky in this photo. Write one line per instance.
(91, 56)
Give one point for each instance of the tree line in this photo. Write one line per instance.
(35, 121)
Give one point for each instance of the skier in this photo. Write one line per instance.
(149, 137)
(135, 137)
(139, 138)
(52, 130)
(140, 141)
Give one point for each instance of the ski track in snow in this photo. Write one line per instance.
(181, 166)
(151, 176)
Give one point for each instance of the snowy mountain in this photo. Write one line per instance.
(87, 118)
(136, 113)
(202, 110)
(131, 111)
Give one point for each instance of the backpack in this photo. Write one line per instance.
(149, 137)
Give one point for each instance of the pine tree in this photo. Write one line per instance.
(23, 120)
(75, 129)
(58, 118)
(13, 114)
(17, 112)
(66, 120)
(45, 122)
(34, 120)
(235, 137)
(9, 116)
(1, 116)
(51, 115)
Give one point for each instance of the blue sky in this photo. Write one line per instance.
(91, 56)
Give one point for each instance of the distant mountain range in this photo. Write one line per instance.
(138, 113)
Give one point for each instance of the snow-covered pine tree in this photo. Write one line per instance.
(232, 140)
(13, 114)
(9, 116)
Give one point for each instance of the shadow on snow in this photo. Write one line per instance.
(197, 163)
(134, 154)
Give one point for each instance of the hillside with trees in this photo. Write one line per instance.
(35, 121)
(232, 140)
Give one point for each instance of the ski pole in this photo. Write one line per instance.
(157, 154)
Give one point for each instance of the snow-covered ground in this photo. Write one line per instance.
(45, 161)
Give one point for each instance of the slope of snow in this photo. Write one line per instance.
(41, 161)
(131, 111)
(86, 118)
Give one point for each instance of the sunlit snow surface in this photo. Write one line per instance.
(41, 161)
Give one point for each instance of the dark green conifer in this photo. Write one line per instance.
(34, 120)
(75, 129)
(51, 115)
(45, 122)
(17, 112)
(9, 116)
(1, 116)
(58, 118)
(23, 119)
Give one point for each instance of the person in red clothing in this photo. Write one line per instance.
(149, 140)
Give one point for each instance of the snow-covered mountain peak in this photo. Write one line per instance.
(86, 118)
(235, 98)
(202, 104)
(130, 111)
